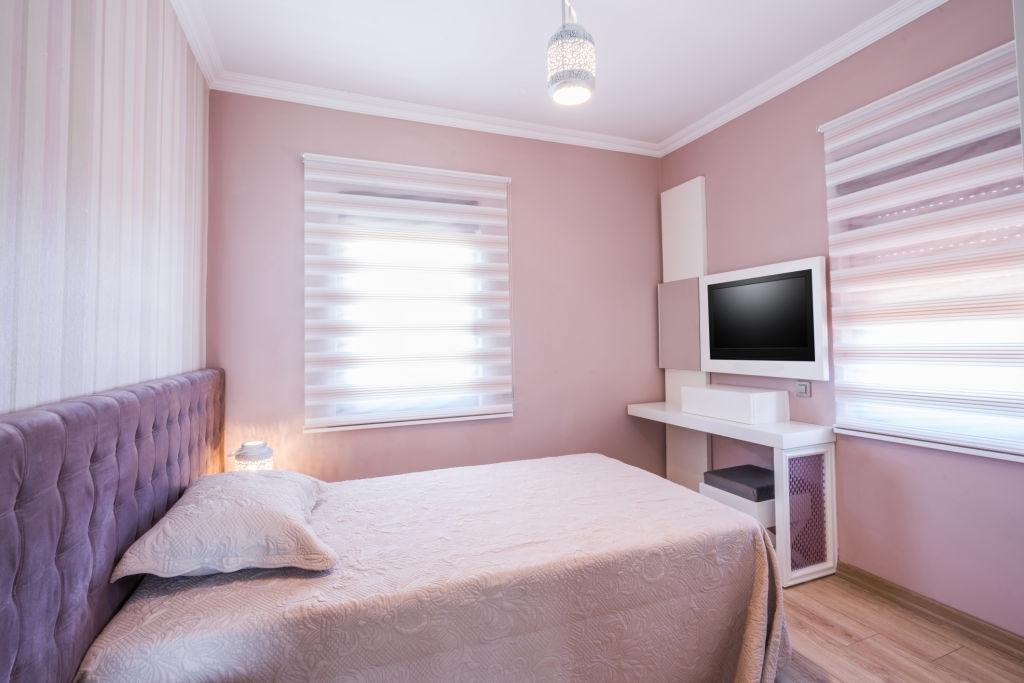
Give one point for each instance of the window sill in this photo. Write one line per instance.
(997, 455)
(403, 423)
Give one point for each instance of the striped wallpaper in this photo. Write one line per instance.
(103, 138)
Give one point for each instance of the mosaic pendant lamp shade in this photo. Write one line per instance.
(572, 60)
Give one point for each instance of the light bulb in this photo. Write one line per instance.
(570, 94)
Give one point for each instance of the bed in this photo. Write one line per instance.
(575, 567)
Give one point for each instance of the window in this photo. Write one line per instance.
(407, 297)
(926, 248)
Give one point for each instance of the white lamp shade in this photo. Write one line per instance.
(572, 64)
(252, 456)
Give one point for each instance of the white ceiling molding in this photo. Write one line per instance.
(200, 38)
(872, 30)
(330, 98)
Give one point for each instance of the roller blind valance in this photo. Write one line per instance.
(926, 247)
(407, 294)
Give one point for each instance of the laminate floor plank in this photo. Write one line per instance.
(891, 662)
(959, 626)
(839, 627)
(802, 670)
(829, 656)
(845, 632)
(983, 664)
(926, 640)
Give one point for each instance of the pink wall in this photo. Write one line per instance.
(586, 258)
(946, 525)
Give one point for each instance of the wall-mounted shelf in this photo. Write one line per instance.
(776, 434)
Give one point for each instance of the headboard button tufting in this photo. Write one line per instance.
(80, 480)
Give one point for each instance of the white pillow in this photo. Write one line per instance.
(237, 520)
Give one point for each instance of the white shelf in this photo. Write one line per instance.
(781, 435)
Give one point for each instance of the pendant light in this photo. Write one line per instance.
(572, 59)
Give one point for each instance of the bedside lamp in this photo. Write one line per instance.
(252, 456)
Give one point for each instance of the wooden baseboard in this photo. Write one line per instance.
(975, 628)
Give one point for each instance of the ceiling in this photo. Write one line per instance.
(668, 71)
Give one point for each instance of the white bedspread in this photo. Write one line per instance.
(572, 568)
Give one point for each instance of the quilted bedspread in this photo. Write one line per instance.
(575, 568)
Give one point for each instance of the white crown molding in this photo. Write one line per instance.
(200, 38)
(872, 30)
(288, 91)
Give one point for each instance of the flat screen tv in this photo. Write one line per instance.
(768, 320)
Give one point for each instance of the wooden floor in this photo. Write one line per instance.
(844, 631)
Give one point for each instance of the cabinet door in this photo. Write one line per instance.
(805, 512)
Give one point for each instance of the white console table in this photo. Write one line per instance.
(805, 490)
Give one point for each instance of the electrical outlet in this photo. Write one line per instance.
(803, 389)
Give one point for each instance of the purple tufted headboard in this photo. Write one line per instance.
(80, 480)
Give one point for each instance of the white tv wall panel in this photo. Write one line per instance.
(684, 255)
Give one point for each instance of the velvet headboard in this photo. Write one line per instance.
(80, 480)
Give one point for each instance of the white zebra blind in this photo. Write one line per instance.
(926, 246)
(408, 310)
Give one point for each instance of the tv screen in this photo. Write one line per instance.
(763, 318)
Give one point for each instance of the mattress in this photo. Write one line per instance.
(574, 568)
